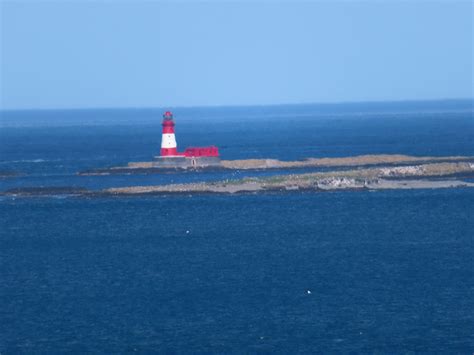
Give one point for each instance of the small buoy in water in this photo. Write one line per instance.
(308, 292)
(187, 232)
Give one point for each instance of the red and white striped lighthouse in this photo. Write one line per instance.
(168, 139)
(191, 157)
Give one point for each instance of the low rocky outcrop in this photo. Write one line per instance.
(263, 164)
(371, 178)
(431, 175)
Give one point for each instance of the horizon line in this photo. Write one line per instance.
(335, 103)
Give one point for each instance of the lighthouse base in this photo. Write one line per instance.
(181, 162)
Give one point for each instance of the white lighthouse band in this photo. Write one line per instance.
(168, 140)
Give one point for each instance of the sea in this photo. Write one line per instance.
(297, 272)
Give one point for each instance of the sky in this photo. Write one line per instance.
(94, 54)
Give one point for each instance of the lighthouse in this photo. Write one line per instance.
(193, 157)
(168, 139)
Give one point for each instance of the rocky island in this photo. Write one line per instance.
(434, 175)
(365, 172)
(357, 173)
(263, 164)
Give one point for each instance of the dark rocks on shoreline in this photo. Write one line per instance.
(4, 174)
(47, 191)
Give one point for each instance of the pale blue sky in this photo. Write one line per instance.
(147, 53)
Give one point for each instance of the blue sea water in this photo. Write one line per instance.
(386, 271)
